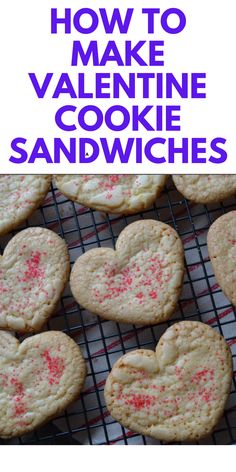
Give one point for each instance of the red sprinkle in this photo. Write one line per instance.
(33, 270)
(139, 401)
(19, 407)
(117, 282)
(18, 387)
(203, 376)
(179, 372)
(206, 396)
(114, 178)
(55, 366)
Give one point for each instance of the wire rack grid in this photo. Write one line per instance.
(102, 342)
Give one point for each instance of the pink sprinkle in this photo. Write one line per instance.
(114, 178)
(18, 387)
(139, 401)
(116, 282)
(153, 294)
(19, 407)
(3, 289)
(179, 372)
(207, 397)
(33, 270)
(129, 280)
(55, 366)
(202, 376)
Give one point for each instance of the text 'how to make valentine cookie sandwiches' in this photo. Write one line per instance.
(123, 88)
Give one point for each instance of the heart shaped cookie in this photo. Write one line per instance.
(206, 188)
(34, 269)
(39, 378)
(179, 392)
(125, 194)
(139, 282)
(221, 241)
(20, 196)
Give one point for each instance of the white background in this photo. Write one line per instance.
(118, 458)
(206, 45)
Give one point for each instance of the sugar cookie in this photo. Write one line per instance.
(39, 378)
(20, 196)
(139, 282)
(112, 193)
(177, 393)
(221, 242)
(33, 272)
(206, 188)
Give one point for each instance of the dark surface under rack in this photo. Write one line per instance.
(102, 342)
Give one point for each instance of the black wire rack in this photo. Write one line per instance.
(102, 342)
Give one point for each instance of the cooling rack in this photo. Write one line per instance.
(102, 342)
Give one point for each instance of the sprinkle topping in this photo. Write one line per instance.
(33, 269)
(145, 278)
(55, 367)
